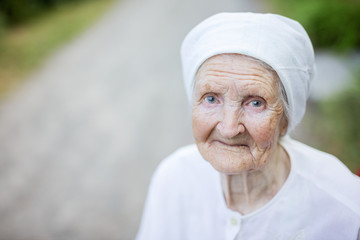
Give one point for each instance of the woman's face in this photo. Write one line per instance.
(237, 115)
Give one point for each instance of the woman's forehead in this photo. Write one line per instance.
(223, 70)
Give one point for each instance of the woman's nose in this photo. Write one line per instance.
(230, 125)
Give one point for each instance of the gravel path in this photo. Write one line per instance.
(80, 140)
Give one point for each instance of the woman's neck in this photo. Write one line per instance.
(249, 191)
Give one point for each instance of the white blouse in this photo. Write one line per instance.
(319, 200)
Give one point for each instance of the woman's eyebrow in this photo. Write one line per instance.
(209, 87)
(253, 96)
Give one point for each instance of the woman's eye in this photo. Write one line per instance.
(256, 103)
(210, 99)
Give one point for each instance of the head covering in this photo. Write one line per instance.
(278, 41)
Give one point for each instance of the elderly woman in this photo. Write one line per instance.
(247, 76)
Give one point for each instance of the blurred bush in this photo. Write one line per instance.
(2, 25)
(17, 11)
(330, 23)
(339, 121)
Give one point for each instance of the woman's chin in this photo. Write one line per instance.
(228, 161)
(231, 167)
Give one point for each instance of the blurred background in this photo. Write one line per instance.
(91, 100)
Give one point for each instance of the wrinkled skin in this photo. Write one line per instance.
(237, 116)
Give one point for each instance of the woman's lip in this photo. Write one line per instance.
(231, 144)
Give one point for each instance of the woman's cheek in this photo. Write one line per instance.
(261, 128)
(203, 121)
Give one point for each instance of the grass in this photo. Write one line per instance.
(26, 46)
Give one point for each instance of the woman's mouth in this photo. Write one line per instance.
(230, 144)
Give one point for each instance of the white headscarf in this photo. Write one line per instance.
(278, 41)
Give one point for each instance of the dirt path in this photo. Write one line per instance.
(79, 141)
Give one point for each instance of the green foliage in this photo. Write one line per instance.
(17, 11)
(330, 23)
(2, 25)
(341, 121)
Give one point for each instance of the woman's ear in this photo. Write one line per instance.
(283, 125)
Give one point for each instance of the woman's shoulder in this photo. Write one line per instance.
(326, 172)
